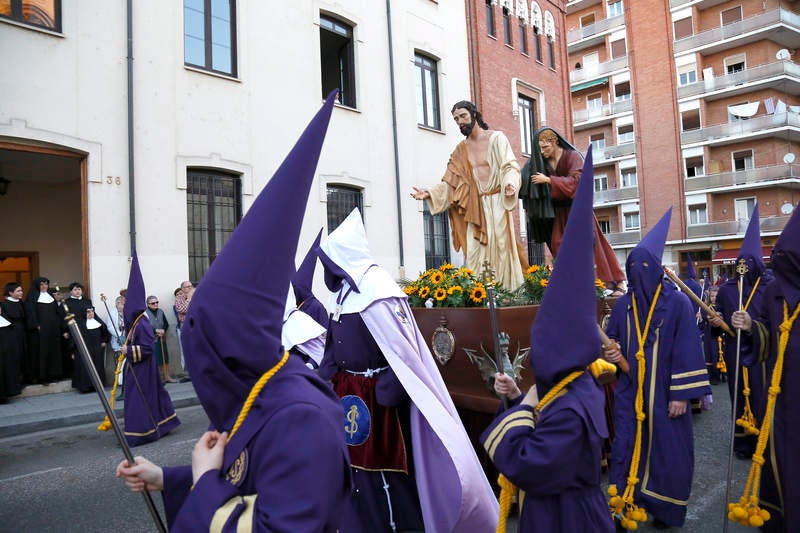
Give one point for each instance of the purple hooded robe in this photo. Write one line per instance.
(453, 492)
(555, 460)
(285, 467)
(780, 474)
(149, 414)
(674, 370)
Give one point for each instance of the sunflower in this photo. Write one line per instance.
(439, 294)
(543, 282)
(599, 283)
(437, 278)
(446, 266)
(533, 268)
(454, 289)
(478, 294)
(424, 292)
(409, 290)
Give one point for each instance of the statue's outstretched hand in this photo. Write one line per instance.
(420, 194)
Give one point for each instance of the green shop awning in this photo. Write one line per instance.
(587, 84)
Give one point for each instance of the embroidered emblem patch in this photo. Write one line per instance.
(400, 313)
(357, 420)
(238, 469)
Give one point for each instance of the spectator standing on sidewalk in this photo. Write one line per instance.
(160, 325)
(183, 296)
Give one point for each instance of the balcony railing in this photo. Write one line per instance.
(750, 75)
(597, 70)
(615, 195)
(735, 227)
(606, 110)
(737, 29)
(741, 127)
(624, 237)
(607, 153)
(741, 177)
(595, 28)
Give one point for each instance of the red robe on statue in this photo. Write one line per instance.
(563, 184)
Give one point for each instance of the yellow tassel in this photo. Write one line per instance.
(507, 489)
(634, 513)
(105, 425)
(747, 511)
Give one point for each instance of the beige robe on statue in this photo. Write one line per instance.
(488, 233)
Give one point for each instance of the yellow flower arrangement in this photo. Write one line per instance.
(445, 286)
(449, 286)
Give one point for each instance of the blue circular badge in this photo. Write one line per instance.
(357, 420)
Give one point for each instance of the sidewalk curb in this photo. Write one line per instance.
(56, 418)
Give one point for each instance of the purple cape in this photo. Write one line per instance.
(453, 490)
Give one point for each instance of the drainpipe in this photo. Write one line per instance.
(131, 188)
(472, 54)
(394, 138)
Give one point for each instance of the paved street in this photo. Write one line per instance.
(62, 479)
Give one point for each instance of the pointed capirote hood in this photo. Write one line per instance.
(345, 253)
(786, 261)
(643, 265)
(135, 299)
(303, 279)
(559, 344)
(751, 250)
(232, 332)
(690, 271)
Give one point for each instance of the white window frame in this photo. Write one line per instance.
(629, 216)
(742, 207)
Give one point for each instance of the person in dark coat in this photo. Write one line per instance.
(9, 360)
(274, 458)
(549, 181)
(751, 380)
(13, 310)
(655, 329)
(548, 444)
(46, 329)
(773, 337)
(149, 414)
(96, 336)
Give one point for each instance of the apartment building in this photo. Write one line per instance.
(693, 104)
(170, 139)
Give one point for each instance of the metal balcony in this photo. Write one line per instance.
(701, 4)
(596, 71)
(761, 126)
(601, 114)
(761, 176)
(746, 81)
(623, 238)
(612, 196)
(783, 27)
(593, 34)
(577, 5)
(611, 153)
(772, 225)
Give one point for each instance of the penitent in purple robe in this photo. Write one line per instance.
(727, 303)
(780, 490)
(351, 348)
(675, 370)
(290, 443)
(556, 461)
(149, 414)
